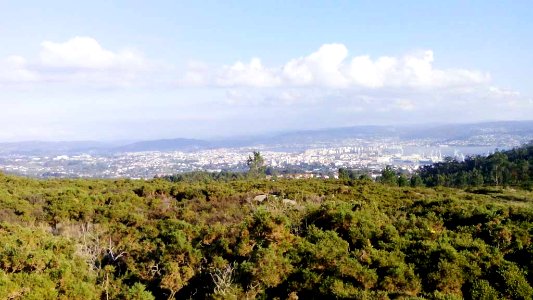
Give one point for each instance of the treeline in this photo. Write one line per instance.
(503, 168)
(204, 176)
(261, 239)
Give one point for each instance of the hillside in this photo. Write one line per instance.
(309, 239)
(164, 145)
(512, 167)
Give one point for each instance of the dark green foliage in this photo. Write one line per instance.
(203, 176)
(403, 181)
(198, 236)
(482, 290)
(37, 265)
(503, 168)
(346, 174)
(388, 176)
(416, 181)
(256, 165)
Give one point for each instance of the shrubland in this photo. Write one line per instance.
(307, 239)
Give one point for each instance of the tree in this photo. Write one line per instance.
(416, 181)
(476, 178)
(270, 171)
(497, 164)
(255, 164)
(344, 174)
(403, 181)
(388, 176)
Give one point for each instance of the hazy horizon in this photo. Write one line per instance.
(259, 135)
(130, 70)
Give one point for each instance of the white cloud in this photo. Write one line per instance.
(364, 72)
(253, 74)
(500, 92)
(86, 52)
(413, 70)
(329, 77)
(331, 67)
(322, 67)
(14, 69)
(407, 85)
(79, 61)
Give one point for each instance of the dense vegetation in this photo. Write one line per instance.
(309, 239)
(503, 168)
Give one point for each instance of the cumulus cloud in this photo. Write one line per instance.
(80, 60)
(365, 72)
(332, 67)
(412, 70)
(407, 86)
(328, 77)
(253, 74)
(86, 52)
(240, 74)
(323, 67)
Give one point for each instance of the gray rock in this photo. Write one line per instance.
(288, 202)
(260, 198)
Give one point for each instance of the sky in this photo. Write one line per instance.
(137, 70)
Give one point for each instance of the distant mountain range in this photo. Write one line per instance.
(473, 134)
(93, 147)
(450, 132)
(164, 145)
(45, 147)
(468, 134)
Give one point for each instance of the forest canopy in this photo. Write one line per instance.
(502, 168)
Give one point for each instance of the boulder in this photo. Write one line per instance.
(288, 202)
(260, 198)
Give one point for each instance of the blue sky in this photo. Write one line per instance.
(105, 70)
